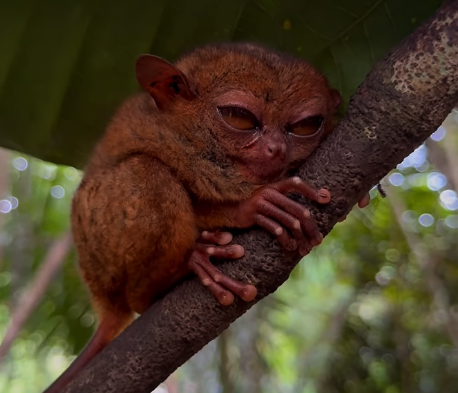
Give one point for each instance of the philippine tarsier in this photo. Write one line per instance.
(211, 144)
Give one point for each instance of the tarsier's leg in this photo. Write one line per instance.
(215, 244)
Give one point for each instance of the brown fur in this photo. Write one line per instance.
(163, 173)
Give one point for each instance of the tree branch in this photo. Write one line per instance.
(32, 297)
(450, 148)
(402, 101)
(444, 154)
(4, 186)
(427, 262)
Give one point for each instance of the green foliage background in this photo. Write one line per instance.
(66, 64)
(367, 312)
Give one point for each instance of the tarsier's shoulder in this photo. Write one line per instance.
(133, 109)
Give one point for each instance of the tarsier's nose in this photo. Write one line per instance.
(274, 149)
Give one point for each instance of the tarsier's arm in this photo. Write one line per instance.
(270, 208)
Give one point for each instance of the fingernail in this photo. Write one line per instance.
(316, 241)
(224, 237)
(241, 248)
(325, 194)
(210, 250)
(237, 251)
(303, 252)
(292, 245)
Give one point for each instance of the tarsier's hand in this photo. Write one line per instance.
(269, 208)
(215, 244)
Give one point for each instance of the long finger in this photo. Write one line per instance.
(307, 222)
(233, 251)
(296, 184)
(276, 229)
(292, 224)
(225, 297)
(216, 237)
(245, 291)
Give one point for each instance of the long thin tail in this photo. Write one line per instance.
(110, 326)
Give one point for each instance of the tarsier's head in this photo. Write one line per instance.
(268, 111)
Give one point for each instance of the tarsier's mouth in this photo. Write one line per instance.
(261, 175)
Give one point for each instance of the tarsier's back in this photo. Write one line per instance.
(211, 144)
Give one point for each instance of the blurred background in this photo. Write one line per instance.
(373, 309)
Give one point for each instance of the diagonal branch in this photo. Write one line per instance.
(4, 186)
(31, 298)
(451, 156)
(427, 262)
(402, 101)
(444, 155)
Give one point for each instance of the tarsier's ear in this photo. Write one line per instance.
(162, 80)
(336, 98)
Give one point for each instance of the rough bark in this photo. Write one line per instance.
(402, 101)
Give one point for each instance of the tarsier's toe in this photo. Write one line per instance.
(223, 238)
(292, 245)
(220, 238)
(324, 196)
(316, 240)
(237, 251)
(304, 250)
(362, 203)
(249, 293)
(226, 298)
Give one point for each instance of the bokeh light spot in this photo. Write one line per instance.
(426, 220)
(452, 221)
(436, 181)
(58, 192)
(449, 199)
(439, 134)
(20, 163)
(396, 179)
(5, 206)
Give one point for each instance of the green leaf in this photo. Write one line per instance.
(66, 65)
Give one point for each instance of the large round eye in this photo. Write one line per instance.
(308, 126)
(239, 118)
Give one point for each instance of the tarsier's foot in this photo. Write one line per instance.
(221, 286)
